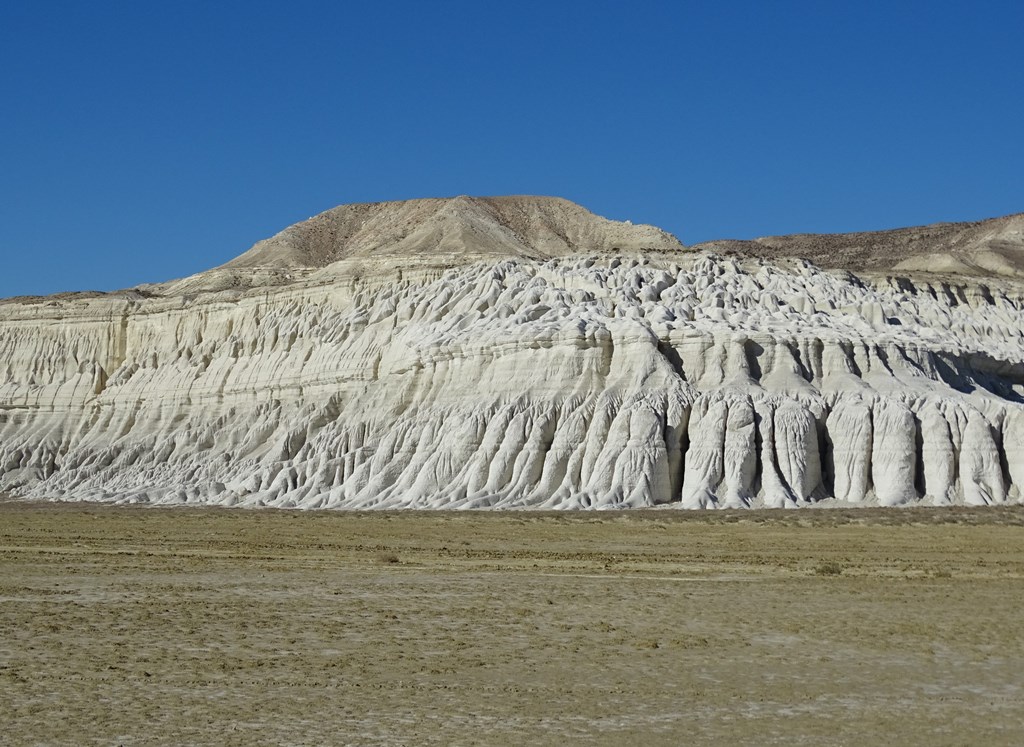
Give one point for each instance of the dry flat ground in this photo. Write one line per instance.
(182, 626)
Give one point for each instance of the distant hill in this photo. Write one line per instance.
(988, 247)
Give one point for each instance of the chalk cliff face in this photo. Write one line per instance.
(516, 352)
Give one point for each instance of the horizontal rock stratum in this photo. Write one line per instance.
(522, 352)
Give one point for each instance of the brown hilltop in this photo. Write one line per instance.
(456, 230)
(988, 247)
(520, 226)
(460, 228)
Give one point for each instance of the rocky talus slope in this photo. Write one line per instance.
(518, 352)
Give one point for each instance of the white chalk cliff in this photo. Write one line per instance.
(523, 352)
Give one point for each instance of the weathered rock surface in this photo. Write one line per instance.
(980, 248)
(515, 352)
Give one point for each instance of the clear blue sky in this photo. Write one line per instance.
(141, 141)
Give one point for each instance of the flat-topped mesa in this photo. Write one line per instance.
(474, 227)
(993, 247)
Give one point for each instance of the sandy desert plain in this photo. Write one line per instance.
(135, 625)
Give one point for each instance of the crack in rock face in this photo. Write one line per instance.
(560, 361)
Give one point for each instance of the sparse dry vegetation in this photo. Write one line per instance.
(829, 568)
(153, 626)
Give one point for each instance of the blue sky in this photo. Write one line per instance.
(143, 141)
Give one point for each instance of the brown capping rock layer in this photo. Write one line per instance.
(980, 248)
(515, 226)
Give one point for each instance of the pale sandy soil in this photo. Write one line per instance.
(178, 626)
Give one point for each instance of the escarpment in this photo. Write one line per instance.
(564, 361)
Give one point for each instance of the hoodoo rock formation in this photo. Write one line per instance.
(523, 352)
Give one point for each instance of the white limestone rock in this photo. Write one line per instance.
(850, 436)
(893, 453)
(705, 458)
(938, 456)
(740, 455)
(1013, 450)
(796, 450)
(980, 470)
(497, 354)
